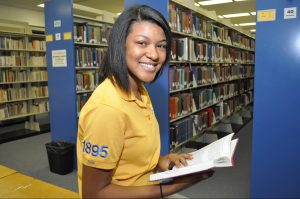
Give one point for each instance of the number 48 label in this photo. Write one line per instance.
(290, 13)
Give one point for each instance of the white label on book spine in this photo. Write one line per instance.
(290, 13)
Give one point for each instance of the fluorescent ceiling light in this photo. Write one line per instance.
(248, 24)
(220, 16)
(253, 13)
(213, 2)
(196, 4)
(236, 24)
(240, 0)
(253, 30)
(237, 15)
(41, 5)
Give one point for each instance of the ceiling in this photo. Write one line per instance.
(236, 7)
(116, 6)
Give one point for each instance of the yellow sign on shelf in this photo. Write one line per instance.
(49, 38)
(67, 36)
(266, 15)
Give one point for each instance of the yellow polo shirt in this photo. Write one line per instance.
(118, 132)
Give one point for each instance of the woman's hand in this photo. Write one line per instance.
(168, 161)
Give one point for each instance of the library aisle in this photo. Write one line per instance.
(233, 182)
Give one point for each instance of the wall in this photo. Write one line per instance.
(33, 18)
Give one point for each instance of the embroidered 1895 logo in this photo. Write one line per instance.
(94, 149)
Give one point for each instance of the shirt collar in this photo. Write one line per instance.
(146, 102)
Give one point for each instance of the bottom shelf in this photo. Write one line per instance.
(22, 133)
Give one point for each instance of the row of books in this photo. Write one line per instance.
(10, 75)
(19, 59)
(236, 39)
(181, 77)
(37, 61)
(186, 49)
(12, 43)
(19, 108)
(199, 26)
(185, 21)
(8, 110)
(247, 98)
(81, 100)
(40, 106)
(86, 80)
(180, 19)
(246, 85)
(13, 59)
(18, 91)
(185, 103)
(231, 37)
(183, 130)
(88, 33)
(86, 56)
(217, 34)
(207, 52)
(21, 44)
(36, 44)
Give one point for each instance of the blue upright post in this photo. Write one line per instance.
(276, 132)
(61, 71)
(159, 91)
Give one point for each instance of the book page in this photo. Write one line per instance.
(214, 151)
(228, 161)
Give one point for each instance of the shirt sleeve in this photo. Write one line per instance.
(102, 136)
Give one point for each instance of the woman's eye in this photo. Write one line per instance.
(141, 43)
(162, 46)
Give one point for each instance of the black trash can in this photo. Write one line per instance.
(60, 157)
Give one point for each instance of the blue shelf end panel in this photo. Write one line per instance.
(276, 131)
(61, 71)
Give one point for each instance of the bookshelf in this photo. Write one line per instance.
(210, 76)
(23, 79)
(90, 37)
(83, 43)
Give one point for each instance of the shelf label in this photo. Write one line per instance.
(57, 23)
(266, 15)
(49, 38)
(67, 35)
(59, 58)
(57, 36)
(290, 13)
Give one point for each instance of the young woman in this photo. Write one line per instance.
(118, 145)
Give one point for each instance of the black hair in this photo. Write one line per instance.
(114, 63)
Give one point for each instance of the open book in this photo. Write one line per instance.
(217, 154)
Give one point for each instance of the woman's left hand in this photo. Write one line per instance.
(168, 161)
